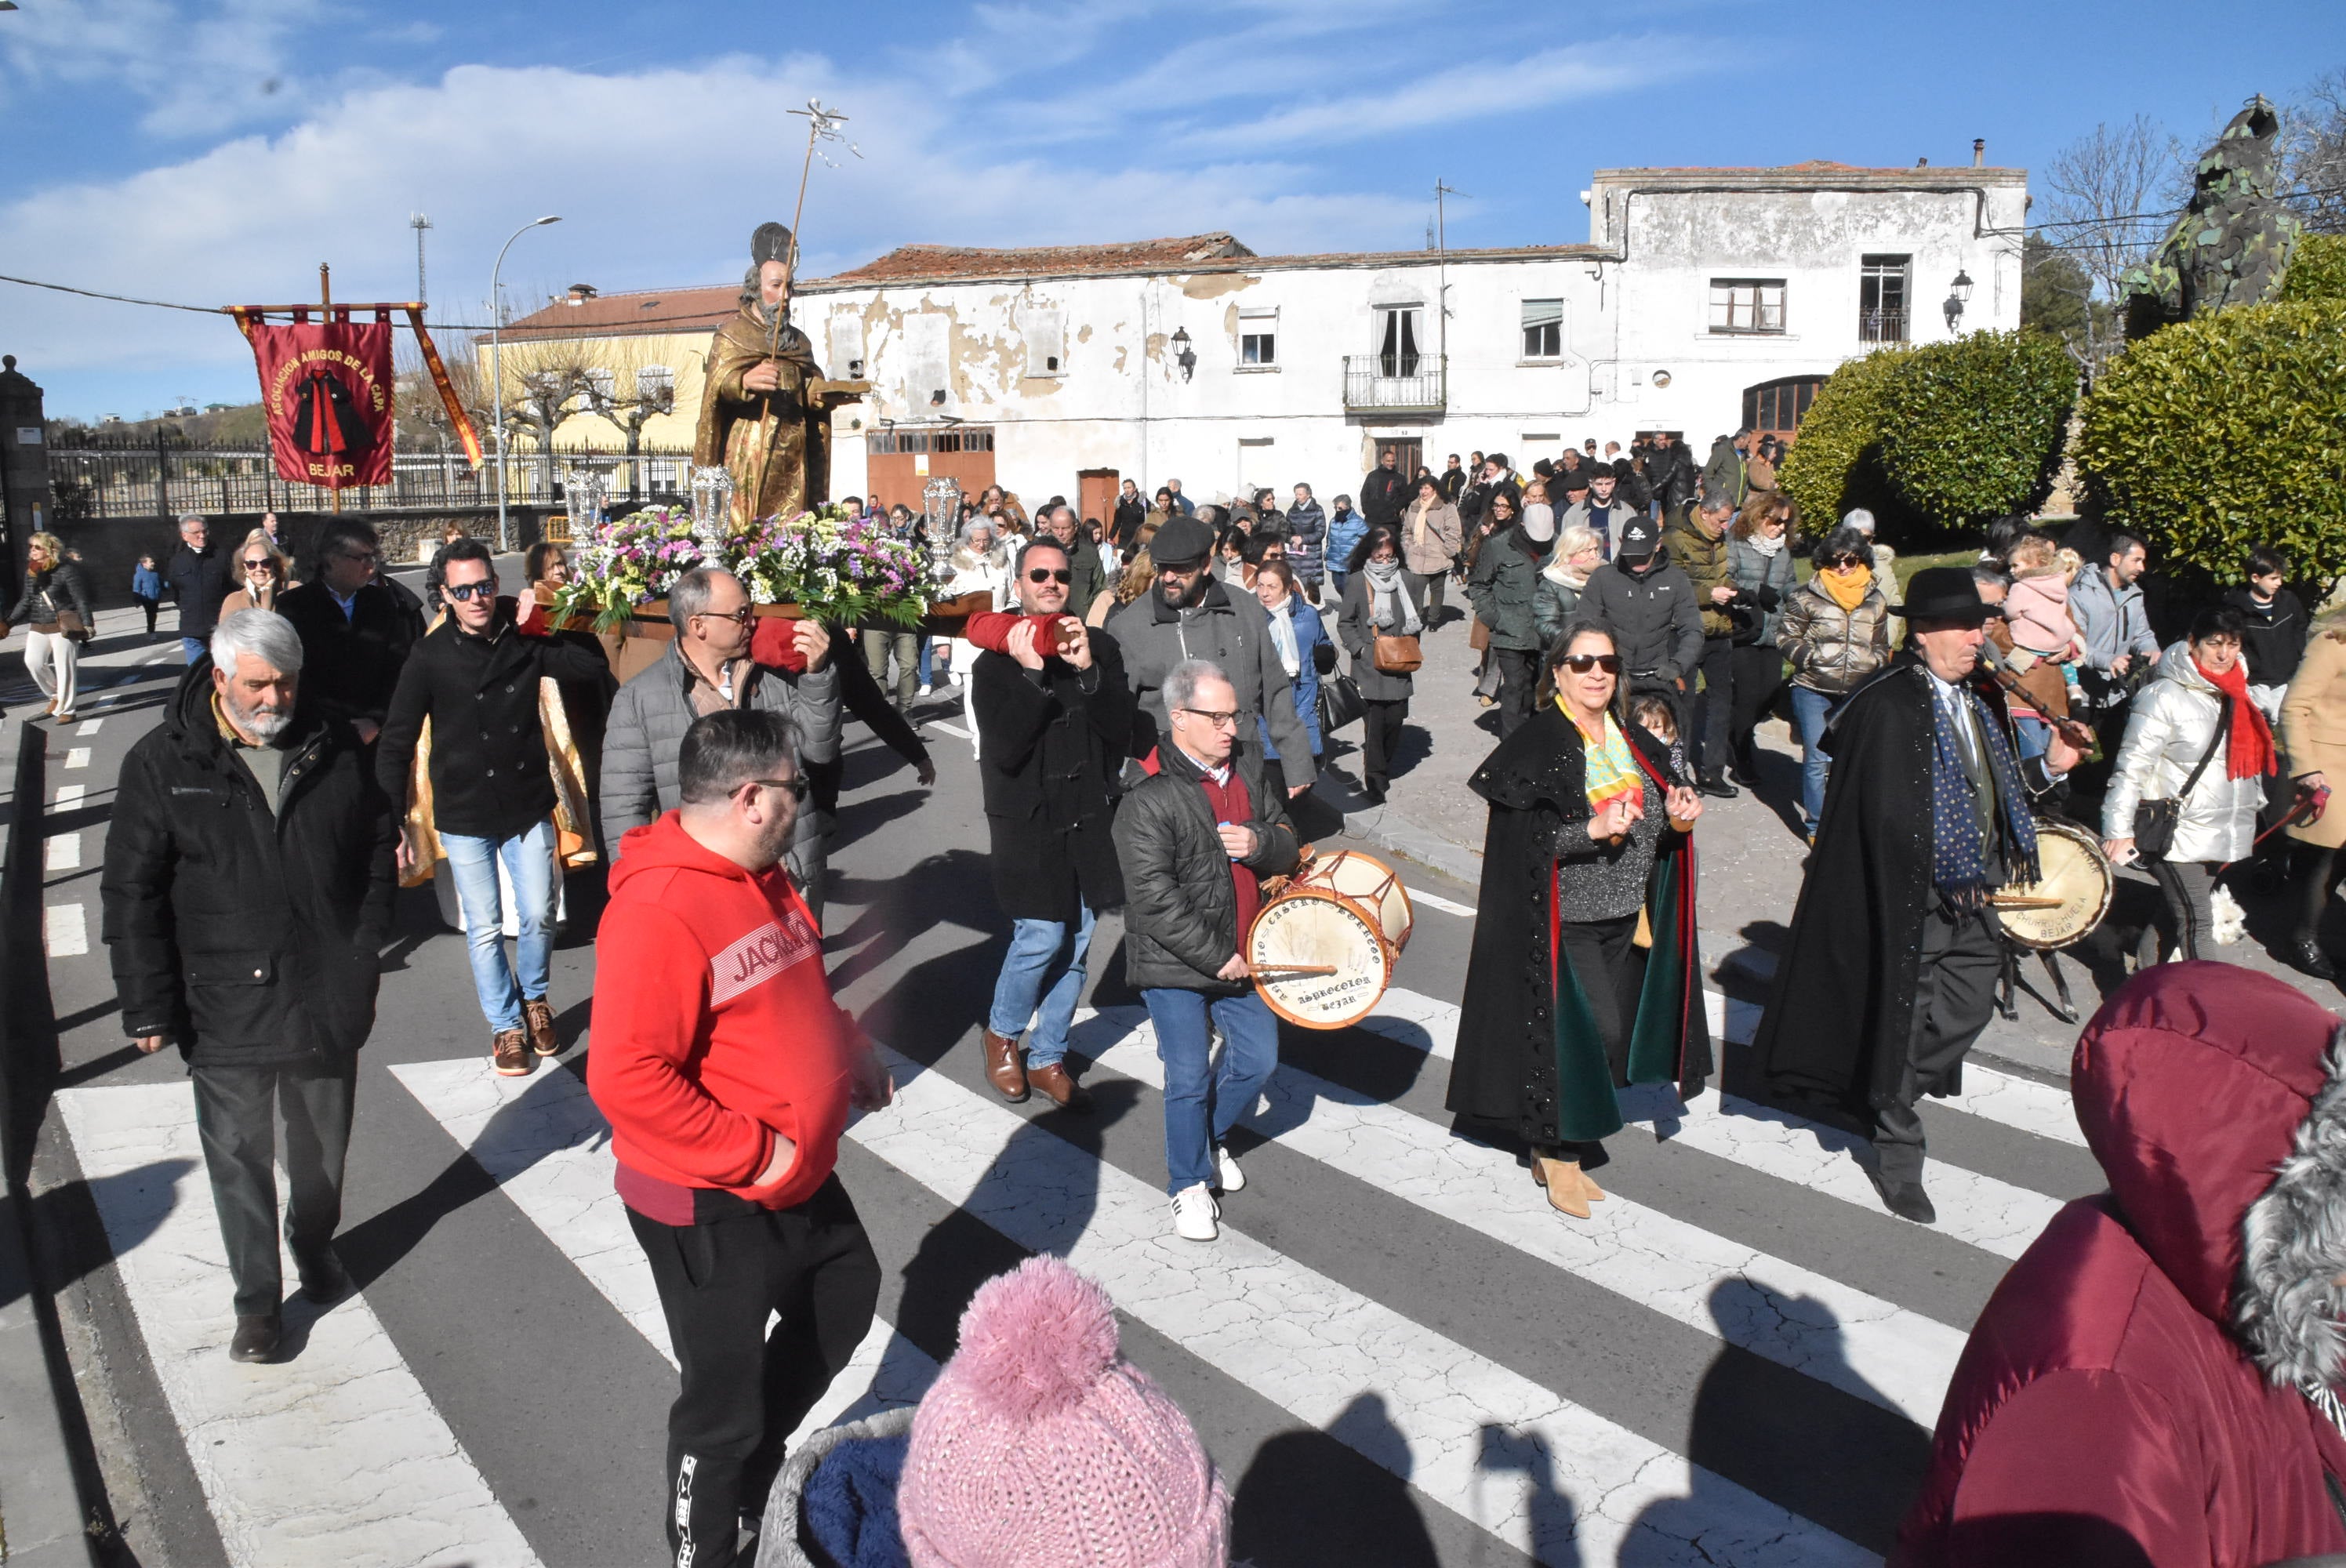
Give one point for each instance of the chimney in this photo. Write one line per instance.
(1979, 152)
(1922, 163)
(580, 293)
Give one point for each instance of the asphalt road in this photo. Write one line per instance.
(1397, 1355)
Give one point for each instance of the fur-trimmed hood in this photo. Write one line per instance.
(2215, 1099)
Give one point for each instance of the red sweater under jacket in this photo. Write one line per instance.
(713, 1029)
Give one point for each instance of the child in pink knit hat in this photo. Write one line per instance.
(1040, 1447)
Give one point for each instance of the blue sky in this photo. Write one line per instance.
(213, 151)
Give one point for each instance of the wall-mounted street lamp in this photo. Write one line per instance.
(1959, 295)
(1183, 356)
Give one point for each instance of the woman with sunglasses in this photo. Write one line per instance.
(1836, 631)
(56, 613)
(1585, 976)
(260, 575)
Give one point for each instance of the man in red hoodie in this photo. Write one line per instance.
(727, 1073)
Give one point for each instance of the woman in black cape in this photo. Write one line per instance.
(1584, 975)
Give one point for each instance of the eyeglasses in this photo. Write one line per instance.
(1845, 561)
(363, 557)
(796, 788)
(1219, 720)
(464, 592)
(740, 617)
(1581, 664)
(261, 564)
(1045, 575)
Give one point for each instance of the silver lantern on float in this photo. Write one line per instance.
(712, 506)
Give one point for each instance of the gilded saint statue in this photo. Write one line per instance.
(765, 407)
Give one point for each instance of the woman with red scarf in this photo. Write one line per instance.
(2196, 737)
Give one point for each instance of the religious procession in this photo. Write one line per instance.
(1744, 973)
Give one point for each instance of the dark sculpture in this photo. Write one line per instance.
(2233, 241)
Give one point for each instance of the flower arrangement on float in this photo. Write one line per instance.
(820, 564)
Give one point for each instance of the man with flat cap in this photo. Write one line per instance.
(1190, 615)
(1890, 971)
(765, 409)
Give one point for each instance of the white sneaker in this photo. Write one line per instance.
(925, 690)
(1226, 1168)
(1194, 1214)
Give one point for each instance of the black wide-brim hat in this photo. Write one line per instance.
(1945, 593)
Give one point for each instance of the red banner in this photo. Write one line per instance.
(326, 386)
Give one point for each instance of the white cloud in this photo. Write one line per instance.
(200, 69)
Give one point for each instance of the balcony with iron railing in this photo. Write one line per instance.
(1882, 326)
(1396, 383)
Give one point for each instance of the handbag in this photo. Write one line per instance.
(1478, 636)
(2155, 821)
(70, 623)
(1341, 703)
(1396, 655)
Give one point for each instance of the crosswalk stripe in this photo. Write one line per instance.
(546, 1146)
(334, 1456)
(91, 725)
(77, 756)
(1857, 1342)
(1436, 901)
(62, 854)
(1313, 1345)
(953, 729)
(65, 931)
(69, 797)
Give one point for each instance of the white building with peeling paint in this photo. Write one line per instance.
(1704, 298)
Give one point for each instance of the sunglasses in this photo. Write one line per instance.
(1581, 664)
(1047, 575)
(261, 564)
(461, 594)
(795, 788)
(1846, 561)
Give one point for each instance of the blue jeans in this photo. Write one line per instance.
(1811, 710)
(1250, 1055)
(2035, 736)
(924, 661)
(1029, 989)
(193, 648)
(529, 864)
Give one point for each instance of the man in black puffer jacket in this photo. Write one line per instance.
(1649, 603)
(247, 889)
(1192, 840)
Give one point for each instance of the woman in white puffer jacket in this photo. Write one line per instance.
(2174, 724)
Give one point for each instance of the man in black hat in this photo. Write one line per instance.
(1890, 971)
(1189, 614)
(1649, 603)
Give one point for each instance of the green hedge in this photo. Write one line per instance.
(2224, 431)
(2318, 270)
(1836, 463)
(1973, 429)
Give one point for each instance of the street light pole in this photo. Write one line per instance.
(496, 372)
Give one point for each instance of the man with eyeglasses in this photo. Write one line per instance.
(357, 627)
(198, 576)
(726, 1072)
(712, 665)
(1053, 725)
(1193, 841)
(1192, 615)
(474, 679)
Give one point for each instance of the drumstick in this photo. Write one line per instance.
(1292, 969)
(2018, 901)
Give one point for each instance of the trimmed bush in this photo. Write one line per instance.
(2318, 270)
(1836, 463)
(2224, 431)
(1971, 430)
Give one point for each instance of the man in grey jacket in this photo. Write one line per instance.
(2107, 605)
(708, 667)
(1189, 614)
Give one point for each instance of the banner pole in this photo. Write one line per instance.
(326, 319)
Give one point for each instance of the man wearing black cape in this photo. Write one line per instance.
(1894, 954)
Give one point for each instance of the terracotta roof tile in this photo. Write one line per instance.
(911, 263)
(645, 310)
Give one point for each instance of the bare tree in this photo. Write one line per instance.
(2313, 144)
(545, 381)
(629, 389)
(2107, 208)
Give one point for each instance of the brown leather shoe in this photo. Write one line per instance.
(537, 1017)
(1004, 1069)
(510, 1051)
(1059, 1088)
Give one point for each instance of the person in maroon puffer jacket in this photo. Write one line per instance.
(2152, 1383)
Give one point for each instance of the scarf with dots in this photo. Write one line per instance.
(1958, 867)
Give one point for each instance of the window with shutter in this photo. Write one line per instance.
(1543, 328)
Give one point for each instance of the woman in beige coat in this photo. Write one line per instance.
(1431, 538)
(2313, 741)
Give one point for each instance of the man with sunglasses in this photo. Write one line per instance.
(712, 665)
(357, 627)
(1053, 727)
(726, 1072)
(474, 678)
(1193, 841)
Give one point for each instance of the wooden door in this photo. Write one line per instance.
(1095, 490)
(1409, 451)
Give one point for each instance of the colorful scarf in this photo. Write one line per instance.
(1610, 765)
(1846, 585)
(2249, 753)
(1958, 867)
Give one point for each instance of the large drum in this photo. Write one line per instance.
(1322, 949)
(2069, 898)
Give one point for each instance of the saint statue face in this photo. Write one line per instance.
(773, 282)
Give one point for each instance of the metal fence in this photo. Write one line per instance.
(145, 479)
(1396, 383)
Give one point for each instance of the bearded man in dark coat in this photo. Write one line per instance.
(765, 408)
(1890, 970)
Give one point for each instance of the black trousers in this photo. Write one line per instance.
(1954, 995)
(235, 1117)
(1518, 679)
(744, 1392)
(1380, 725)
(1758, 674)
(2314, 874)
(1429, 588)
(151, 607)
(1717, 669)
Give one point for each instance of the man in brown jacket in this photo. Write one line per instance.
(1698, 546)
